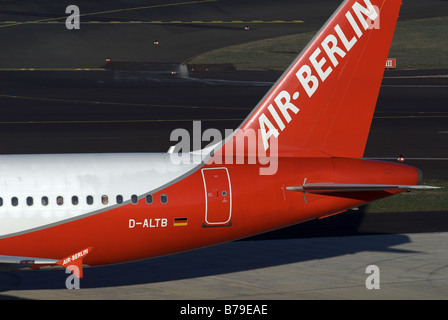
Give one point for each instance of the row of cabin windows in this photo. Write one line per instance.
(89, 200)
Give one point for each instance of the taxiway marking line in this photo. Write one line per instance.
(117, 103)
(406, 158)
(114, 121)
(137, 121)
(435, 114)
(410, 117)
(158, 22)
(106, 12)
(52, 69)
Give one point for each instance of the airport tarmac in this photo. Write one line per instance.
(126, 30)
(409, 266)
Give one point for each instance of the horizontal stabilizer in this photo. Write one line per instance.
(17, 262)
(349, 187)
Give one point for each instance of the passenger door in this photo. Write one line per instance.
(218, 197)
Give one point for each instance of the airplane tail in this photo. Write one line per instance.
(324, 102)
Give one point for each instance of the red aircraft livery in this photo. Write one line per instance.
(99, 209)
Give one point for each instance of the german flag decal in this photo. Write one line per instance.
(180, 222)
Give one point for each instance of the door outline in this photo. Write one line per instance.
(226, 223)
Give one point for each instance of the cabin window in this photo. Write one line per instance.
(44, 201)
(89, 200)
(29, 201)
(119, 199)
(134, 199)
(104, 199)
(75, 200)
(1, 202)
(14, 201)
(149, 198)
(164, 198)
(60, 200)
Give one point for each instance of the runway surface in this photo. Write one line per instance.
(134, 103)
(126, 30)
(130, 111)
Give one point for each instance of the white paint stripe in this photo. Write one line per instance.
(415, 85)
(405, 158)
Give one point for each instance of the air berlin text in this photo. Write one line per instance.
(323, 59)
(75, 256)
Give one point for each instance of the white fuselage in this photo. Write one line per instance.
(40, 190)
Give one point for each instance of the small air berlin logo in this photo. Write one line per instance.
(73, 265)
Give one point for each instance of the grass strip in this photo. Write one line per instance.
(417, 44)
